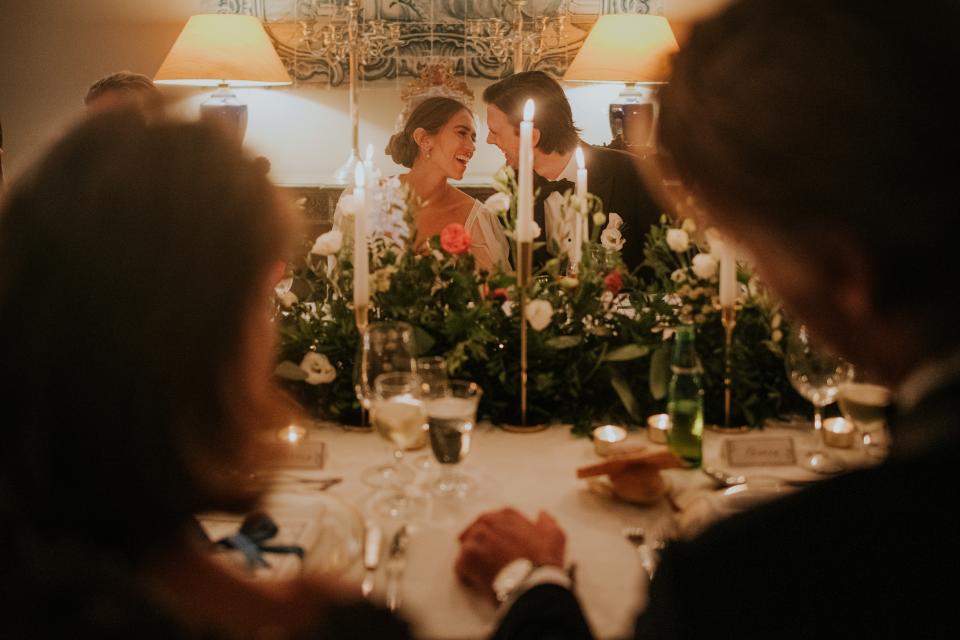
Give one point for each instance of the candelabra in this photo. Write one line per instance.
(495, 38)
(358, 42)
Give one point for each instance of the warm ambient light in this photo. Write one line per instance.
(528, 110)
(222, 48)
(580, 161)
(625, 48)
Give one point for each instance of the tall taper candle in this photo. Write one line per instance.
(728, 275)
(580, 221)
(368, 168)
(525, 176)
(361, 269)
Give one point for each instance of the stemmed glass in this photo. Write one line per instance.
(817, 374)
(864, 403)
(433, 374)
(451, 414)
(399, 416)
(385, 347)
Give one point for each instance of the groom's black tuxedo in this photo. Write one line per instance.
(869, 554)
(612, 176)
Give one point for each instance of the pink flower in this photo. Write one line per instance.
(500, 293)
(455, 239)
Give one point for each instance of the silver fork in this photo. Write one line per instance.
(648, 554)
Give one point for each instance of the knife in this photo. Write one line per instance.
(396, 562)
(371, 558)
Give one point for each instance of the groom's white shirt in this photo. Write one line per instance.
(552, 216)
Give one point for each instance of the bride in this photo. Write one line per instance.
(436, 143)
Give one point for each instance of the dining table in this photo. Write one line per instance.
(529, 472)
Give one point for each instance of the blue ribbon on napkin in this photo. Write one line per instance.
(255, 530)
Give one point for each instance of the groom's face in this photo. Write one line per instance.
(503, 134)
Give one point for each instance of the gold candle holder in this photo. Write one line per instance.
(728, 318)
(524, 273)
(362, 315)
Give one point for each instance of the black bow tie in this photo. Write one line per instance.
(551, 186)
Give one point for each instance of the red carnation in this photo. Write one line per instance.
(613, 282)
(455, 239)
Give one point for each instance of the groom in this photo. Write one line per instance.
(611, 175)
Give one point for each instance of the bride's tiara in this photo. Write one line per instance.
(436, 79)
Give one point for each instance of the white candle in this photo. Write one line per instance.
(728, 275)
(370, 172)
(361, 269)
(579, 224)
(525, 176)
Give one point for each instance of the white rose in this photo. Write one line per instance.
(678, 276)
(539, 314)
(678, 240)
(349, 205)
(689, 225)
(287, 299)
(704, 265)
(615, 221)
(611, 238)
(318, 368)
(498, 202)
(507, 308)
(328, 244)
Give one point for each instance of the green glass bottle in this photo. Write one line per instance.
(685, 398)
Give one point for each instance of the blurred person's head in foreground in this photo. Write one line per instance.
(137, 262)
(124, 88)
(811, 132)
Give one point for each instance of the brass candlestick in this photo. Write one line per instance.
(728, 317)
(361, 314)
(524, 272)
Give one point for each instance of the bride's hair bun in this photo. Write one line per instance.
(402, 149)
(430, 115)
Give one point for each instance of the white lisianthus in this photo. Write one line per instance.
(539, 314)
(704, 265)
(615, 221)
(328, 244)
(611, 238)
(498, 202)
(507, 308)
(318, 368)
(689, 225)
(678, 276)
(287, 299)
(678, 240)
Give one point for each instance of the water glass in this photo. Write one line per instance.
(451, 415)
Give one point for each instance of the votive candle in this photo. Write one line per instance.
(657, 427)
(606, 438)
(837, 432)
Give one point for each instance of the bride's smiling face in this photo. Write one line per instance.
(452, 147)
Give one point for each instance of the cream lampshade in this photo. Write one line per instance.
(223, 50)
(633, 49)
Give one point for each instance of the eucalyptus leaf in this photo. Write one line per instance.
(622, 387)
(563, 342)
(289, 371)
(626, 352)
(660, 372)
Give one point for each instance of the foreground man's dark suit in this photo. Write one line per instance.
(873, 553)
(612, 176)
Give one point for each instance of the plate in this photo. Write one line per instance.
(329, 530)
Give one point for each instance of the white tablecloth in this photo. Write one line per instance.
(529, 472)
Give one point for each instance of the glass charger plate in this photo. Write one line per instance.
(328, 529)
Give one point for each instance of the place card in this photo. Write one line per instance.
(760, 452)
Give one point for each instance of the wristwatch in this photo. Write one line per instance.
(511, 577)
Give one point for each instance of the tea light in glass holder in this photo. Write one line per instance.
(838, 432)
(292, 433)
(657, 427)
(607, 437)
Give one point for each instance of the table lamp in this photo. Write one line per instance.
(223, 50)
(633, 49)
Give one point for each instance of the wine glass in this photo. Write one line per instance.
(817, 374)
(399, 416)
(451, 414)
(864, 403)
(385, 347)
(433, 374)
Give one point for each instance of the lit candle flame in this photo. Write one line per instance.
(580, 162)
(528, 110)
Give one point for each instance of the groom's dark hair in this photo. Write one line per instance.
(552, 116)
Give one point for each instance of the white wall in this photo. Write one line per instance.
(51, 51)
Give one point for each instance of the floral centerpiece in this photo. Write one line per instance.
(598, 349)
